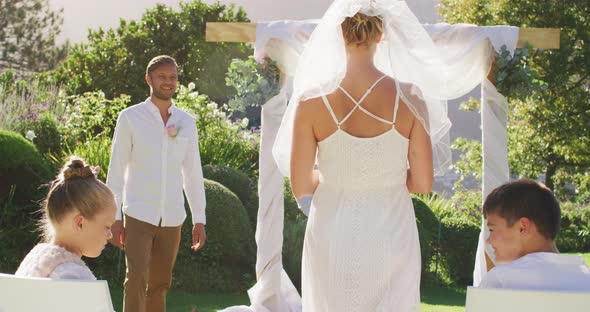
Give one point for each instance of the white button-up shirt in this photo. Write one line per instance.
(149, 168)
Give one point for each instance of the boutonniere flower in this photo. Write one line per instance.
(172, 131)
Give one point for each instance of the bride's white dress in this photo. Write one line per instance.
(361, 251)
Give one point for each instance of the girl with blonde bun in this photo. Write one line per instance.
(77, 216)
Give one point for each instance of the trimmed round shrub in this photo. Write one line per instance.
(459, 239)
(237, 182)
(226, 262)
(22, 168)
(428, 229)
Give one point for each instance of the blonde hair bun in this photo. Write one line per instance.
(75, 167)
(76, 188)
(361, 29)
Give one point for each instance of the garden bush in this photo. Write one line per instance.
(237, 182)
(97, 152)
(459, 239)
(24, 100)
(47, 138)
(226, 262)
(574, 235)
(428, 229)
(91, 115)
(221, 140)
(21, 168)
(18, 233)
(293, 236)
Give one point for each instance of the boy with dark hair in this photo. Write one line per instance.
(524, 218)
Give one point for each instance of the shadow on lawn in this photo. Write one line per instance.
(443, 295)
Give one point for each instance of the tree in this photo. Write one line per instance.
(27, 36)
(114, 60)
(549, 130)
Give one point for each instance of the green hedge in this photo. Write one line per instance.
(237, 182)
(21, 168)
(428, 228)
(226, 263)
(459, 239)
(293, 236)
(18, 234)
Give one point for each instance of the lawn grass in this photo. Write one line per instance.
(181, 301)
(434, 299)
(438, 298)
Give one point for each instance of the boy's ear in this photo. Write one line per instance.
(525, 225)
(148, 79)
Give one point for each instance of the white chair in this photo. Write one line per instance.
(21, 294)
(508, 300)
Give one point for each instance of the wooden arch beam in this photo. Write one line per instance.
(541, 38)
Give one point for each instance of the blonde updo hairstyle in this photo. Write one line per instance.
(75, 188)
(361, 29)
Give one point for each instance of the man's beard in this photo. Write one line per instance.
(162, 96)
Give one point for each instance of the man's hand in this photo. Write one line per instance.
(118, 231)
(199, 236)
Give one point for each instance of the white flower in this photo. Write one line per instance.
(222, 114)
(30, 135)
(191, 112)
(191, 86)
(245, 122)
(212, 106)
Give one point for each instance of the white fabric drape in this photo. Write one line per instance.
(283, 42)
(494, 119)
(274, 291)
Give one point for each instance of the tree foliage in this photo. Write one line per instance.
(549, 129)
(114, 60)
(27, 36)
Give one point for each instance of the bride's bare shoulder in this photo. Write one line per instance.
(310, 106)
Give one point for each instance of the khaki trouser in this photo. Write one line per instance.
(150, 253)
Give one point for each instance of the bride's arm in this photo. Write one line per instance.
(304, 179)
(420, 174)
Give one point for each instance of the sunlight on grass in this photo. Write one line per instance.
(434, 299)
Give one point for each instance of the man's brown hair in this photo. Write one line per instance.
(159, 61)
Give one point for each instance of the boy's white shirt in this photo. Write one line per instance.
(541, 271)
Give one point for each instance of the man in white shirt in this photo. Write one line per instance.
(155, 155)
(524, 218)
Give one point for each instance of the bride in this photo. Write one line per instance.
(358, 139)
